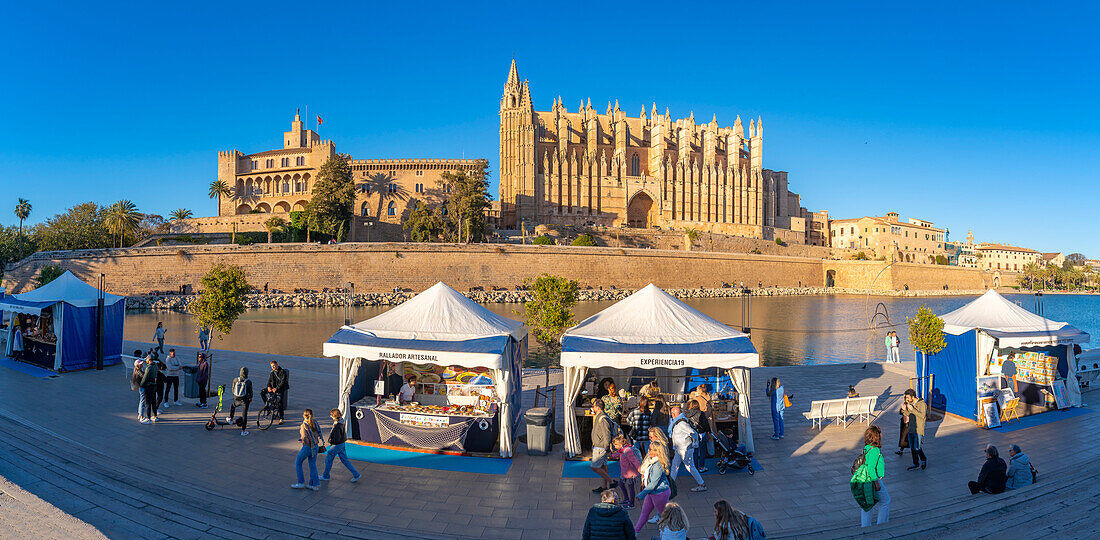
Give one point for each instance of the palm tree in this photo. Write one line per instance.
(22, 211)
(691, 235)
(219, 189)
(122, 217)
(273, 224)
(181, 214)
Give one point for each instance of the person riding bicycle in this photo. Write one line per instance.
(242, 397)
(278, 383)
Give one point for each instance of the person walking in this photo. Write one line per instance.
(630, 459)
(867, 483)
(895, 348)
(204, 338)
(607, 520)
(1019, 469)
(336, 439)
(202, 378)
(991, 479)
(638, 420)
(779, 400)
(135, 384)
(309, 434)
(915, 411)
(17, 343)
(603, 431)
(673, 524)
(149, 385)
(158, 336)
(277, 381)
(173, 367)
(242, 397)
(655, 484)
(700, 424)
(733, 524)
(684, 440)
(889, 342)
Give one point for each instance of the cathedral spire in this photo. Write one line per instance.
(513, 74)
(654, 113)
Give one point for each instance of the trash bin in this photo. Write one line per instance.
(539, 426)
(190, 387)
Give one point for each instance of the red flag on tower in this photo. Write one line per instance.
(319, 121)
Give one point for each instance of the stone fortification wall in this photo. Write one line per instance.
(707, 241)
(380, 267)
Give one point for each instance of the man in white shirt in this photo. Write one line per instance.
(408, 390)
(684, 438)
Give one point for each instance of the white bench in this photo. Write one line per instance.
(839, 410)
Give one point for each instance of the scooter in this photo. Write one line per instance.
(214, 420)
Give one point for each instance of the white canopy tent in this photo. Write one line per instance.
(438, 326)
(999, 323)
(652, 329)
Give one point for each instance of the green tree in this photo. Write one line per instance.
(468, 200)
(274, 224)
(542, 240)
(549, 312)
(80, 227)
(219, 189)
(584, 240)
(181, 214)
(780, 242)
(122, 218)
(11, 243)
(424, 223)
(22, 211)
(926, 335)
(221, 299)
(691, 235)
(1076, 259)
(47, 274)
(151, 224)
(333, 196)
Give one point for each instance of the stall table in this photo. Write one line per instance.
(38, 352)
(426, 427)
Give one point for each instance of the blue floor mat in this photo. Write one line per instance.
(1041, 418)
(580, 469)
(420, 460)
(23, 367)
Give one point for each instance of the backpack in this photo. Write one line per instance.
(694, 432)
(240, 388)
(860, 461)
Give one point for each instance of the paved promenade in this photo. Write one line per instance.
(74, 442)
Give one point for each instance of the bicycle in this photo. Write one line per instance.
(266, 415)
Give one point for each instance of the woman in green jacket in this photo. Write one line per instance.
(872, 472)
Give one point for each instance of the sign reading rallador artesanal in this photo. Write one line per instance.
(424, 420)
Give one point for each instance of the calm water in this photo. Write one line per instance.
(786, 330)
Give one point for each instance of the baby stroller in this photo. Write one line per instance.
(728, 456)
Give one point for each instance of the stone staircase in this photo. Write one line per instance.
(1063, 502)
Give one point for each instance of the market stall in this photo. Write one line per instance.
(649, 336)
(57, 325)
(467, 364)
(999, 354)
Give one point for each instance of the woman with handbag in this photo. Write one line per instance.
(655, 483)
(779, 402)
(310, 437)
(336, 440)
(868, 487)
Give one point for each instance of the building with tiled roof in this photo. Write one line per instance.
(915, 240)
(1006, 257)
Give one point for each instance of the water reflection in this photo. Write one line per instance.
(786, 330)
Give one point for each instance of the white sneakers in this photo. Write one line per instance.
(297, 486)
(314, 488)
(653, 519)
(243, 433)
(145, 421)
(155, 418)
(165, 405)
(228, 420)
(176, 403)
(355, 478)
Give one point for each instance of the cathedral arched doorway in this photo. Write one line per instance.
(637, 212)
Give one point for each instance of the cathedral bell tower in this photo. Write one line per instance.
(519, 191)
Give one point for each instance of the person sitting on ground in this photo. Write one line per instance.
(673, 524)
(629, 461)
(607, 520)
(242, 397)
(732, 524)
(992, 478)
(852, 392)
(1019, 469)
(603, 431)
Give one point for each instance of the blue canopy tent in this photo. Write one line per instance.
(651, 329)
(438, 327)
(976, 334)
(72, 304)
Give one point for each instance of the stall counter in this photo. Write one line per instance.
(426, 427)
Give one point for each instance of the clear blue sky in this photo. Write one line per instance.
(978, 116)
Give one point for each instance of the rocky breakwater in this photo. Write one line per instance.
(328, 299)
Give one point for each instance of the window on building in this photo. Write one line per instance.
(270, 163)
(635, 166)
(255, 164)
(297, 186)
(300, 160)
(443, 209)
(366, 189)
(391, 209)
(393, 188)
(419, 188)
(420, 173)
(364, 210)
(286, 187)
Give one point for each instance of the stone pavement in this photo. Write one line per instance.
(174, 479)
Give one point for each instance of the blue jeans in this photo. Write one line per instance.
(701, 452)
(306, 454)
(141, 401)
(334, 451)
(777, 422)
(642, 446)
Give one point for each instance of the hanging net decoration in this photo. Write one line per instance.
(451, 437)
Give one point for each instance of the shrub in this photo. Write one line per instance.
(584, 240)
(543, 240)
(779, 241)
(861, 256)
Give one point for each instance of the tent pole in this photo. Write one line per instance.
(99, 326)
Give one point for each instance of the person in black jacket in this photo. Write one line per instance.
(242, 397)
(277, 381)
(336, 439)
(607, 520)
(992, 477)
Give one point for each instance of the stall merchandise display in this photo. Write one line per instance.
(1036, 368)
(450, 410)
